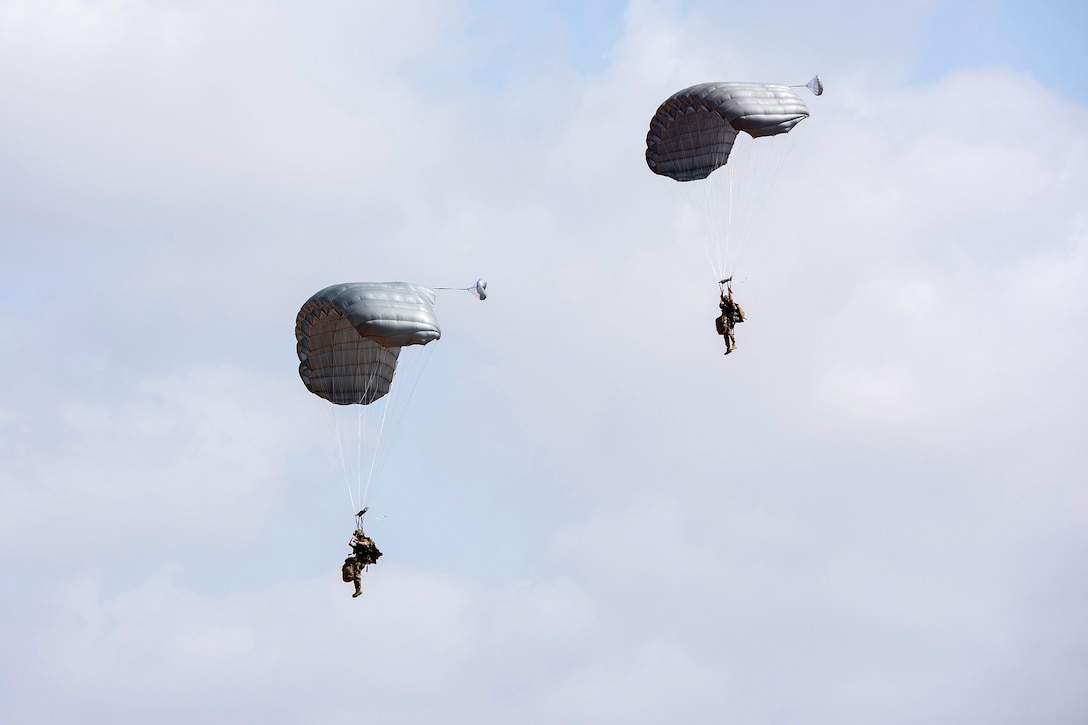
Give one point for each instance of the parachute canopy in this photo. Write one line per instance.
(350, 335)
(693, 131)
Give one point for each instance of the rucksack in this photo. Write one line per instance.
(348, 570)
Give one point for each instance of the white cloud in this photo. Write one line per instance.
(414, 641)
(199, 100)
(200, 454)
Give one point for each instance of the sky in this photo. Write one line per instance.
(870, 512)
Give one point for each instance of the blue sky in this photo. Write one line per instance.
(871, 513)
(1040, 39)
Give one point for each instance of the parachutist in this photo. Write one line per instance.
(364, 553)
(700, 129)
(731, 314)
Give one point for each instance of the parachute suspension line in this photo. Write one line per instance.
(732, 237)
(364, 493)
(775, 155)
(763, 162)
(360, 435)
(408, 376)
(717, 192)
(728, 247)
(718, 229)
(366, 433)
(753, 170)
(348, 463)
(711, 241)
(732, 199)
(354, 421)
(333, 423)
(374, 426)
(708, 228)
(410, 367)
(348, 458)
(726, 189)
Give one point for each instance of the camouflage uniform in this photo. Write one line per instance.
(364, 553)
(732, 313)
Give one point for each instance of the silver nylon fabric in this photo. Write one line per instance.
(349, 337)
(693, 131)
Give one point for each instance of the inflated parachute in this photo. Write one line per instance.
(350, 337)
(693, 131)
(698, 130)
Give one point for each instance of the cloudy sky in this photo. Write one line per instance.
(871, 513)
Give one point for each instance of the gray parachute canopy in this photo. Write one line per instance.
(350, 335)
(693, 131)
